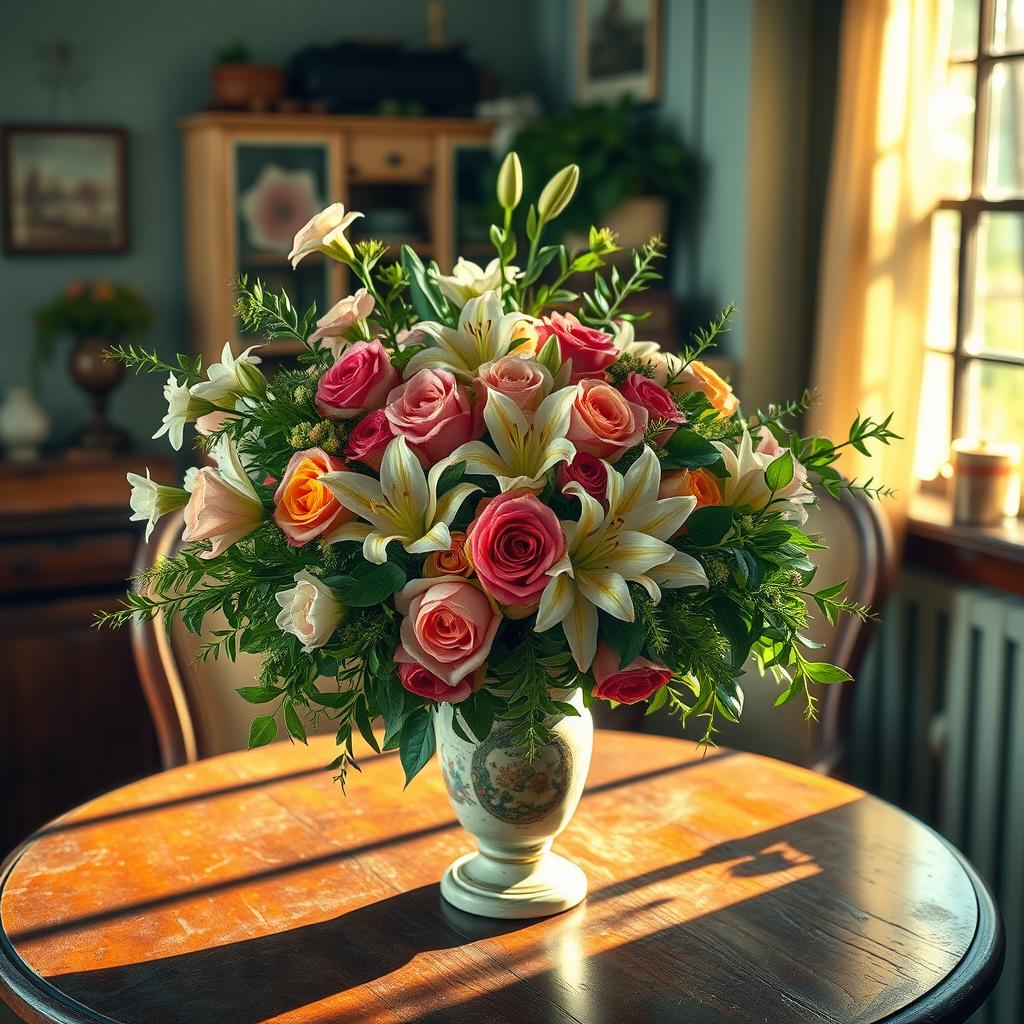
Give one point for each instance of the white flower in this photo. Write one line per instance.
(150, 500)
(232, 378)
(746, 487)
(402, 506)
(484, 333)
(468, 279)
(325, 233)
(606, 551)
(525, 450)
(309, 611)
(182, 408)
(625, 341)
(341, 323)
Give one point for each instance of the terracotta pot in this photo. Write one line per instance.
(247, 86)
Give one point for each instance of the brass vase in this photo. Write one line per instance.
(97, 376)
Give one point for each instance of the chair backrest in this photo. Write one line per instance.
(195, 708)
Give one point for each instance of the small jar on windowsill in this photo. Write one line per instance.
(986, 482)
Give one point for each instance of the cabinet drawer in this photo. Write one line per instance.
(86, 560)
(391, 158)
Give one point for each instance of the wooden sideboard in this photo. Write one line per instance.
(73, 720)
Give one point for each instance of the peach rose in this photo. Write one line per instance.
(303, 508)
(589, 349)
(210, 422)
(219, 511)
(637, 681)
(699, 376)
(604, 424)
(452, 562)
(359, 380)
(369, 437)
(416, 679)
(434, 414)
(698, 483)
(331, 327)
(524, 381)
(448, 626)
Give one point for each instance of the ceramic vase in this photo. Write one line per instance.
(24, 425)
(515, 808)
(97, 375)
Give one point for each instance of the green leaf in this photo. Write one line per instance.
(688, 450)
(294, 723)
(779, 473)
(262, 731)
(788, 694)
(426, 299)
(733, 627)
(625, 638)
(391, 699)
(362, 718)
(258, 694)
(368, 584)
(729, 698)
(330, 699)
(478, 711)
(417, 743)
(823, 672)
(450, 477)
(709, 525)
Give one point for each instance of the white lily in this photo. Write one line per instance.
(182, 408)
(469, 279)
(746, 487)
(325, 233)
(403, 505)
(605, 551)
(484, 333)
(150, 500)
(232, 378)
(625, 341)
(525, 450)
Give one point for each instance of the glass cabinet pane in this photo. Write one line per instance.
(279, 185)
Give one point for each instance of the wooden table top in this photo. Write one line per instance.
(726, 888)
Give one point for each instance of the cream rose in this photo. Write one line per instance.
(309, 611)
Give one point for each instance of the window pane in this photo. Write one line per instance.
(935, 415)
(995, 412)
(998, 321)
(940, 329)
(1004, 165)
(954, 109)
(963, 36)
(1008, 25)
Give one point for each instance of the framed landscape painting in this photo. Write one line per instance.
(65, 189)
(617, 50)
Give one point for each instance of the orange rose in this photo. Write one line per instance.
(699, 376)
(103, 291)
(452, 562)
(303, 508)
(696, 483)
(75, 290)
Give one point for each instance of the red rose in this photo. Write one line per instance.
(369, 437)
(303, 508)
(359, 380)
(590, 472)
(513, 543)
(636, 682)
(589, 349)
(655, 399)
(434, 414)
(416, 679)
(603, 423)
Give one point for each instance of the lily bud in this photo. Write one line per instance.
(550, 356)
(252, 380)
(510, 182)
(558, 192)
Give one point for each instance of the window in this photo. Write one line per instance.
(973, 382)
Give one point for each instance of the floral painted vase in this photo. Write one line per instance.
(515, 808)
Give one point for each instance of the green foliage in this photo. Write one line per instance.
(604, 304)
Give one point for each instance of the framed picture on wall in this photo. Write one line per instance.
(617, 54)
(65, 189)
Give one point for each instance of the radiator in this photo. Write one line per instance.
(938, 728)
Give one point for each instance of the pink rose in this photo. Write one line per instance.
(416, 679)
(219, 511)
(603, 423)
(589, 349)
(331, 327)
(304, 508)
(636, 682)
(448, 625)
(210, 422)
(359, 380)
(434, 414)
(513, 543)
(369, 437)
(524, 381)
(588, 471)
(655, 399)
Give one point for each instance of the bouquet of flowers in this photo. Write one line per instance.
(465, 493)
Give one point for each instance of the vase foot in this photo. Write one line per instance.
(479, 884)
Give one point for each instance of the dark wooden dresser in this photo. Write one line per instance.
(73, 721)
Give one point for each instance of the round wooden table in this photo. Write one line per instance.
(722, 888)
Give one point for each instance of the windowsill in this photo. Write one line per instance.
(990, 555)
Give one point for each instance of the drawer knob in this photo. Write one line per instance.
(393, 159)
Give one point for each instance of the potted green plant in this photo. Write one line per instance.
(240, 84)
(96, 316)
(634, 169)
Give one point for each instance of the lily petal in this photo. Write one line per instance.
(609, 592)
(359, 494)
(375, 547)
(449, 503)
(555, 602)
(436, 539)
(662, 518)
(402, 481)
(682, 571)
(580, 628)
(636, 553)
